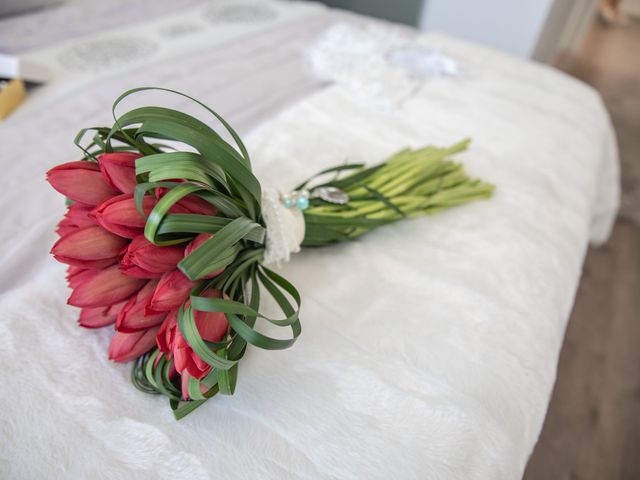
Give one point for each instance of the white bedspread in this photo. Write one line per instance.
(454, 384)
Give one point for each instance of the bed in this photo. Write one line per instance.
(486, 290)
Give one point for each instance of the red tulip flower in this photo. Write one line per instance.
(120, 216)
(212, 327)
(89, 247)
(173, 289)
(119, 170)
(143, 259)
(77, 216)
(104, 287)
(117, 276)
(81, 182)
(97, 317)
(125, 347)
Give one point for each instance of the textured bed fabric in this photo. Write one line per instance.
(65, 20)
(429, 348)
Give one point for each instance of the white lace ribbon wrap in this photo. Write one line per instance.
(285, 228)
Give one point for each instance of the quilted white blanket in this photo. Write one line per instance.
(452, 384)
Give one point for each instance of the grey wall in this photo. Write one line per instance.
(402, 11)
(512, 26)
(13, 7)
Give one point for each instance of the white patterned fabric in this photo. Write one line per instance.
(429, 348)
(380, 65)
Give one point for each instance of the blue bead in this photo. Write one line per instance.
(287, 203)
(302, 203)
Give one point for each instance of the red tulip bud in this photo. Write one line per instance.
(119, 170)
(119, 215)
(143, 259)
(167, 332)
(99, 316)
(212, 327)
(129, 346)
(104, 287)
(77, 216)
(171, 292)
(78, 275)
(185, 360)
(133, 317)
(89, 247)
(80, 181)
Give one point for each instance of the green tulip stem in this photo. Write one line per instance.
(407, 184)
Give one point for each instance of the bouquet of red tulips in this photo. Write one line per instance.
(172, 245)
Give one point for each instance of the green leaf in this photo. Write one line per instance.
(162, 208)
(189, 330)
(385, 200)
(184, 165)
(339, 168)
(178, 126)
(200, 262)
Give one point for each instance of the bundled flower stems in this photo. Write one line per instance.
(171, 248)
